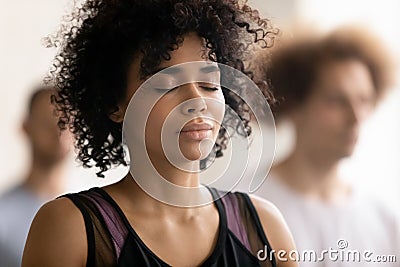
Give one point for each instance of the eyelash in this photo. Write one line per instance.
(212, 89)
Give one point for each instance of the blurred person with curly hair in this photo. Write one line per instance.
(327, 86)
(108, 49)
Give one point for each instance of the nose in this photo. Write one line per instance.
(352, 115)
(194, 102)
(357, 113)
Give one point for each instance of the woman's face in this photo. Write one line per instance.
(188, 115)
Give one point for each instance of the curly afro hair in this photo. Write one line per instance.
(294, 66)
(98, 40)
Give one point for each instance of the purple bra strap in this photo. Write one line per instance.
(112, 219)
(235, 221)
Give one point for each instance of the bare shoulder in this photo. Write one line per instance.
(275, 228)
(271, 219)
(57, 236)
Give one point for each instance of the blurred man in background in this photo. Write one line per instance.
(327, 86)
(44, 181)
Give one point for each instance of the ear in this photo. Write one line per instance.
(25, 127)
(117, 116)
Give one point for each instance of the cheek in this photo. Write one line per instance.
(66, 140)
(45, 134)
(156, 119)
(319, 123)
(158, 116)
(216, 107)
(328, 116)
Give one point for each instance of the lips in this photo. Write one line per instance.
(197, 131)
(197, 127)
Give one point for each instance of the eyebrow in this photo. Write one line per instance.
(209, 69)
(174, 70)
(167, 70)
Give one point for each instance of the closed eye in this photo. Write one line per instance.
(210, 88)
(207, 88)
(165, 90)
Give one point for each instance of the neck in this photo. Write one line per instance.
(313, 176)
(167, 183)
(186, 175)
(45, 180)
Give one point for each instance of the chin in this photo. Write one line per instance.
(194, 155)
(197, 151)
(345, 153)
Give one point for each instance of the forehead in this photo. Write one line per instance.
(198, 68)
(344, 76)
(193, 48)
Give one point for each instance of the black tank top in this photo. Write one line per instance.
(113, 242)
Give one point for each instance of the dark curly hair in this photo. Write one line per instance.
(99, 39)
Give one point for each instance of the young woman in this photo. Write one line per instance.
(110, 49)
